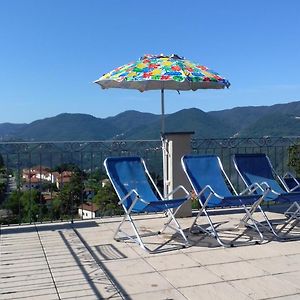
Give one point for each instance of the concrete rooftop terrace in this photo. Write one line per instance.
(83, 261)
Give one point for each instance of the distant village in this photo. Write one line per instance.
(34, 177)
(43, 179)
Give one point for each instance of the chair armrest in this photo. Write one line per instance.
(211, 193)
(268, 188)
(208, 187)
(137, 197)
(252, 188)
(180, 187)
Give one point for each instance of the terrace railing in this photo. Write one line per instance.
(52, 181)
(277, 148)
(49, 181)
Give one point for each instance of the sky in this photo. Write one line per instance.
(51, 51)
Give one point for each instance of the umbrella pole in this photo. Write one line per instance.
(162, 111)
(164, 145)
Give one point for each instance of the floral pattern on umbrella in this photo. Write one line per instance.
(163, 72)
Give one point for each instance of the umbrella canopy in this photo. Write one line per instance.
(162, 72)
(157, 72)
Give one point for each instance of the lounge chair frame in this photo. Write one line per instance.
(292, 213)
(120, 234)
(247, 220)
(294, 209)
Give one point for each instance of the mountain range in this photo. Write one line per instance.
(275, 120)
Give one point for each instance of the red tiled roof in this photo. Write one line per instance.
(89, 207)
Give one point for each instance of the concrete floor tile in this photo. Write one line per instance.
(287, 247)
(214, 256)
(77, 273)
(128, 267)
(160, 245)
(236, 270)
(292, 297)
(39, 297)
(24, 265)
(279, 264)
(22, 282)
(292, 278)
(160, 295)
(264, 287)
(144, 283)
(190, 277)
(35, 270)
(110, 251)
(91, 289)
(42, 293)
(31, 286)
(254, 252)
(215, 291)
(174, 261)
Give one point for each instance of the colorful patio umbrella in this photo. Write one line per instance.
(162, 72)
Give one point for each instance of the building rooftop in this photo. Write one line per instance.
(89, 206)
(83, 261)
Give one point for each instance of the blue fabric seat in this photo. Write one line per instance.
(139, 194)
(214, 189)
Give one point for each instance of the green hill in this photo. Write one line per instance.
(68, 127)
(271, 119)
(273, 124)
(275, 120)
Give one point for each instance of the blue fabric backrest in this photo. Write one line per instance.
(291, 183)
(126, 174)
(205, 170)
(256, 168)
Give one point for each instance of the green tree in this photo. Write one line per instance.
(1, 161)
(70, 195)
(13, 202)
(30, 203)
(27, 204)
(107, 200)
(3, 179)
(294, 159)
(92, 185)
(56, 208)
(66, 167)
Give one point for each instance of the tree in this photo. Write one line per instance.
(66, 167)
(107, 200)
(294, 159)
(70, 195)
(13, 202)
(1, 161)
(25, 204)
(56, 206)
(29, 202)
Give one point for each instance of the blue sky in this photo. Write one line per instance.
(51, 51)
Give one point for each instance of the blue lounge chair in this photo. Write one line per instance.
(139, 194)
(257, 167)
(213, 189)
